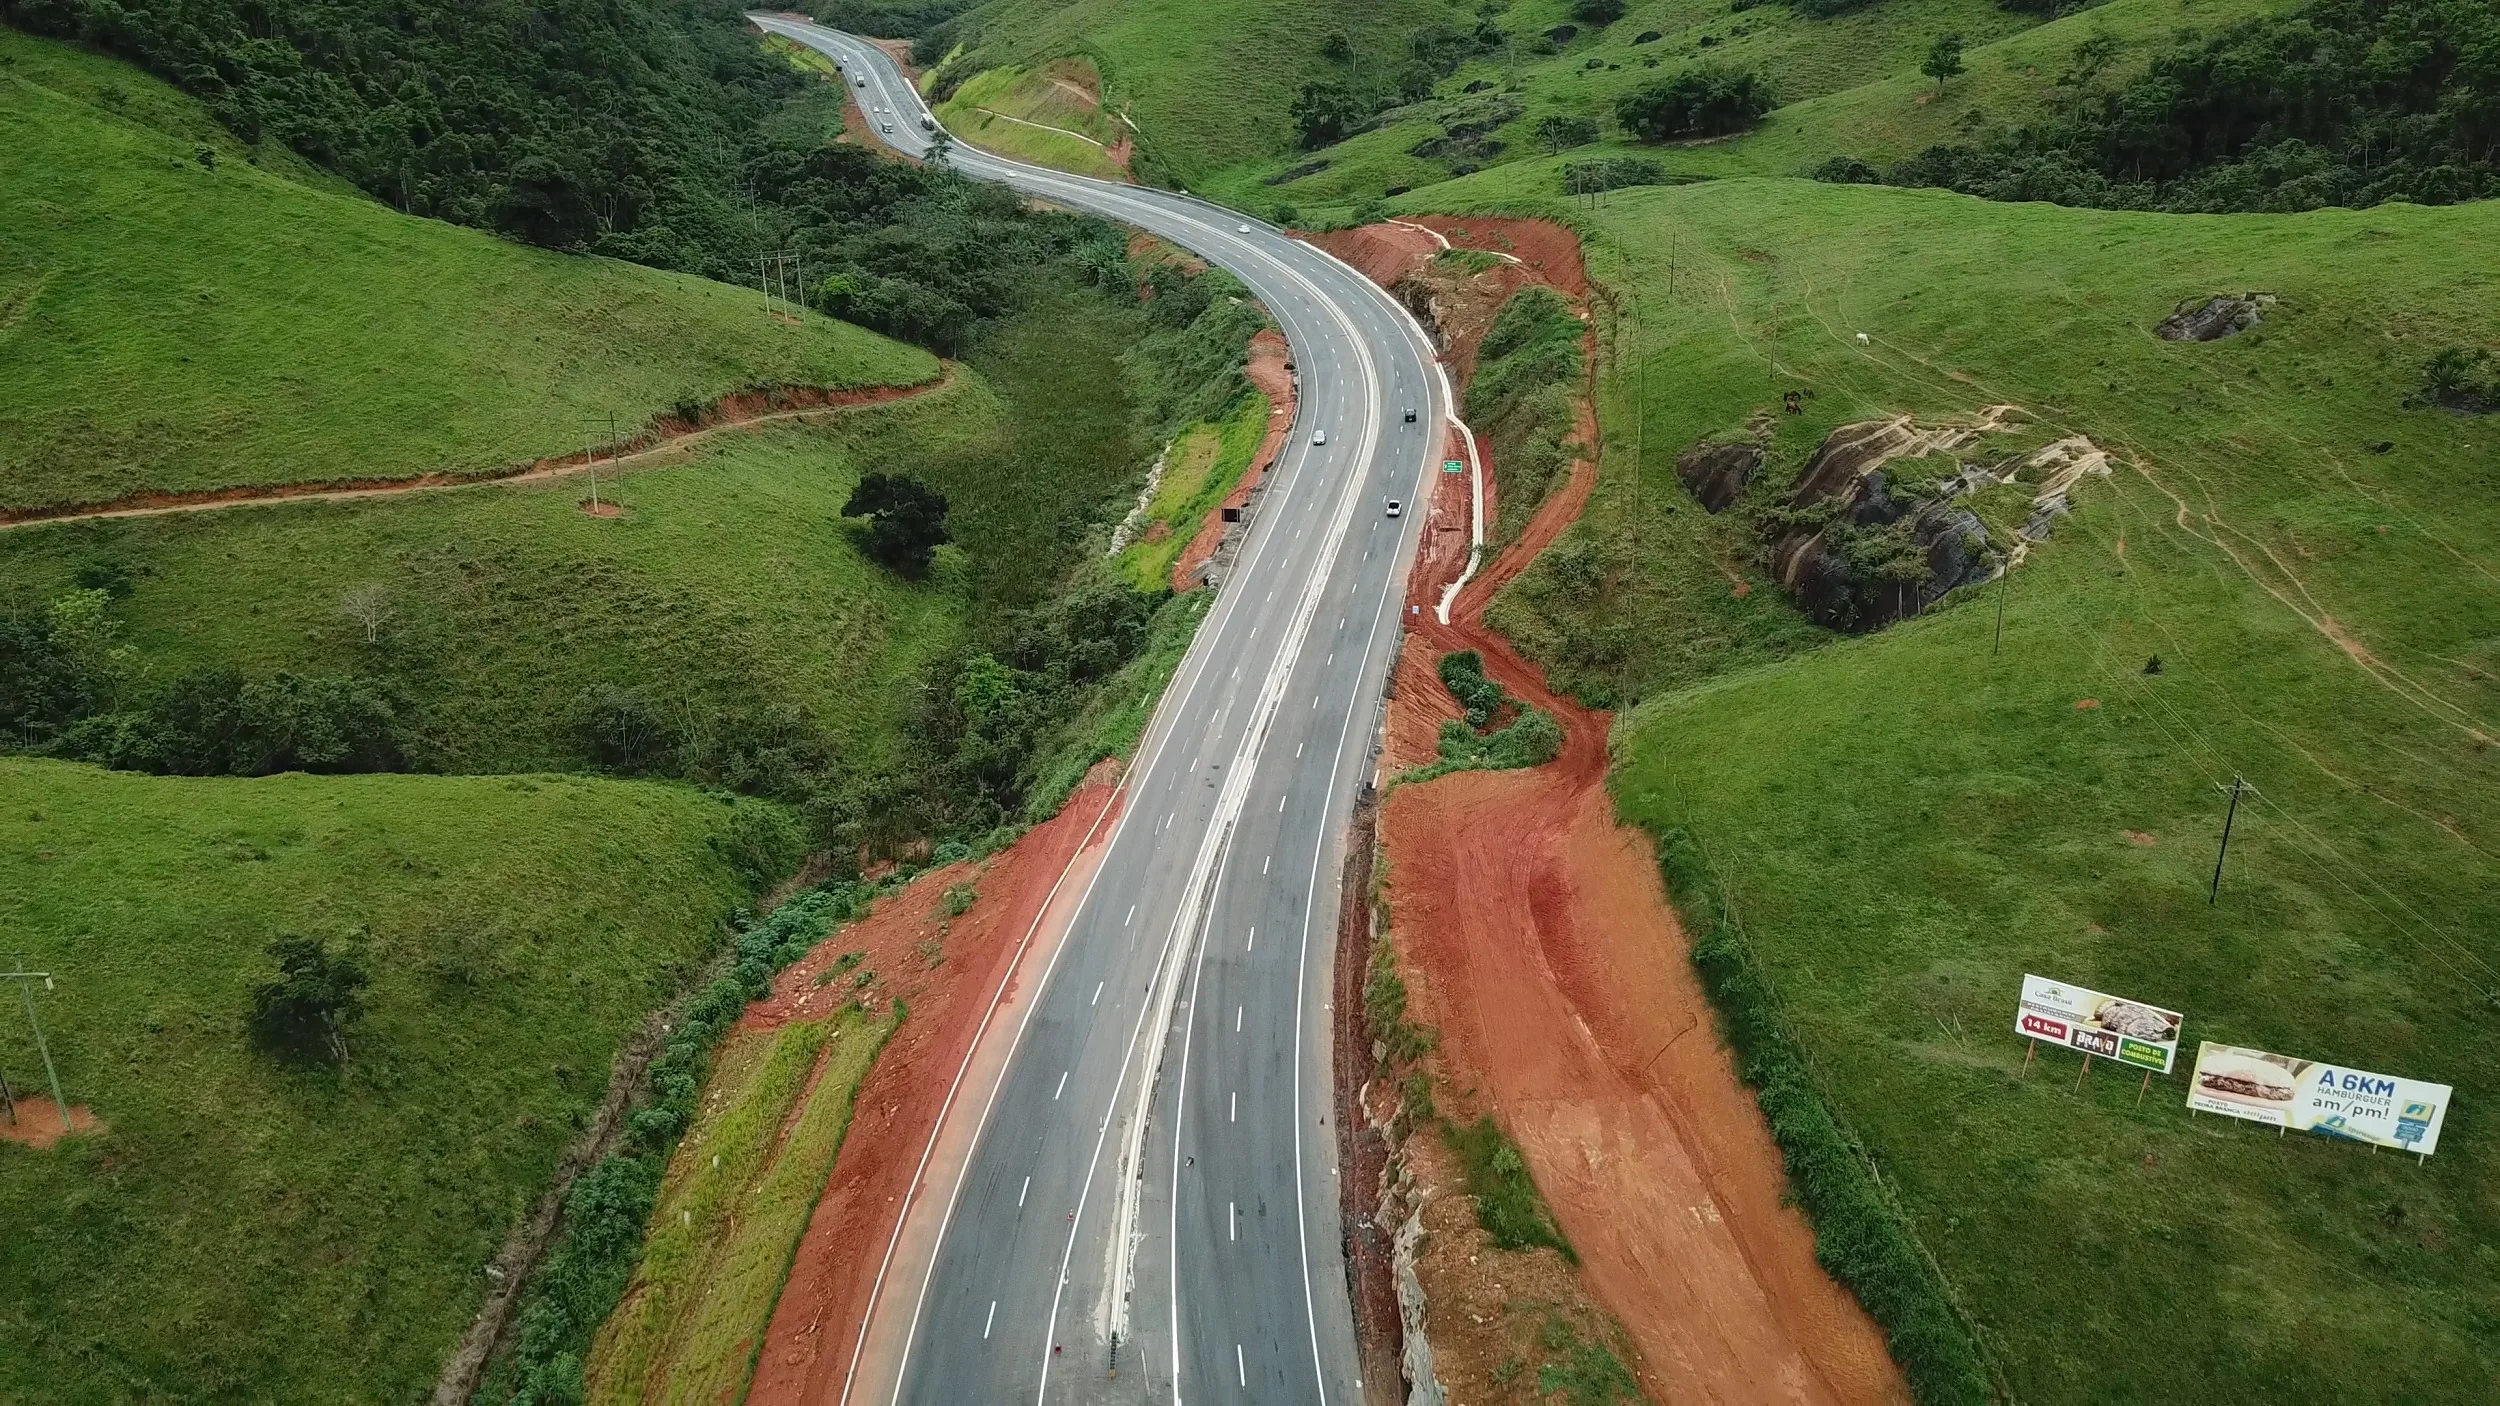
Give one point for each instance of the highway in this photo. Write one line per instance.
(1150, 1211)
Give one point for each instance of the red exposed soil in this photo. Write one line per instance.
(1537, 939)
(1266, 371)
(981, 955)
(38, 1123)
(665, 436)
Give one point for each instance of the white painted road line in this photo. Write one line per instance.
(1253, 944)
(1132, 916)
(1232, 1225)
(1235, 1115)
(1022, 1191)
(1063, 1086)
(986, 1322)
(1097, 995)
(1241, 1369)
(1237, 1010)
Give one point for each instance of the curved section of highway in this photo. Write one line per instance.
(1150, 1209)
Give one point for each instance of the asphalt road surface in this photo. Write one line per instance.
(1150, 1212)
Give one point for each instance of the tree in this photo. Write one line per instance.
(1325, 111)
(941, 146)
(368, 605)
(1944, 59)
(304, 1011)
(1708, 100)
(1560, 133)
(906, 521)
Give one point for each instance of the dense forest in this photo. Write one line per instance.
(2342, 102)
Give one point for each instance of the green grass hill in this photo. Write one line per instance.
(1894, 828)
(1210, 83)
(175, 318)
(253, 1229)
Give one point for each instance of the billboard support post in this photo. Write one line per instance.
(2146, 1089)
(2034, 1049)
(2079, 1074)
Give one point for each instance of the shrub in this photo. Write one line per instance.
(2456, 378)
(1561, 133)
(1708, 100)
(1462, 673)
(303, 1012)
(1508, 1204)
(1597, 12)
(623, 731)
(906, 522)
(1611, 173)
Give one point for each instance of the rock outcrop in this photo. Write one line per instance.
(1716, 474)
(2217, 317)
(1856, 553)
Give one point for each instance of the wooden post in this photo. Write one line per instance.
(2148, 1088)
(2027, 1056)
(2087, 1068)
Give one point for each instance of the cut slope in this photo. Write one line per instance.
(171, 324)
(245, 1227)
(1898, 827)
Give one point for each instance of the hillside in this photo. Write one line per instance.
(2287, 576)
(285, 333)
(1209, 86)
(248, 1225)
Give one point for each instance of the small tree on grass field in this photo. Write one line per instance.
(304, 1012)
(1944, 59)
(906, 521)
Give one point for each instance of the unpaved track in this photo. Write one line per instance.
(667, 438)
(1539, 942)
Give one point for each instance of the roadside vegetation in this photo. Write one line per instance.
(256, 1214)
(1874, 838)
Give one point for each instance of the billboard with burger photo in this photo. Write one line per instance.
(2330, 1099)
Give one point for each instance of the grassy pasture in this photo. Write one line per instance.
(1903, 824)
(170, 325)
(1209, 82)
(245, 1227)
(1848, 85)
(730, 586)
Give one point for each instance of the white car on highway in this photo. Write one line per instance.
(1319, 436)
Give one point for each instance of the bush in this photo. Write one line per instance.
(2459, 379)
(218, 722)
(1597, 12)
(623, 731)
(1508, 1204)
(906, 522)
(1561, 133)
(304, 1011)
(1462, 673)
(1611, 173)
(1709, 100)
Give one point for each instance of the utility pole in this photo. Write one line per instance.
(779, 276)
(2005, 574)
(590, 454)
(22, 976)
(2238, 784)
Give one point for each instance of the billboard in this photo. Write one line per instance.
(2318, 1098)
(2112, 1027)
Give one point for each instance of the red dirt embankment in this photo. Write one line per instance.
(946, 971)
(1267, 370)
(1537, 939)
(664, 436)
